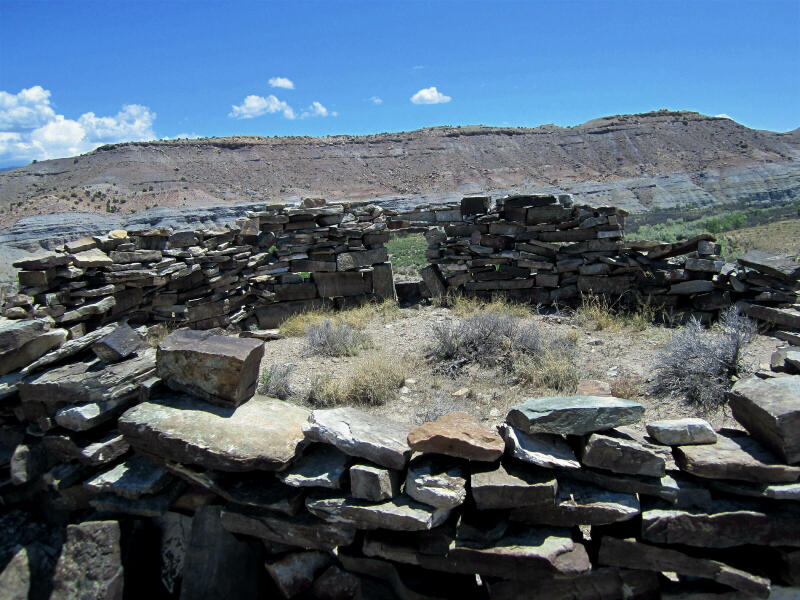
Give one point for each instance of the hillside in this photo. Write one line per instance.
(635, 161)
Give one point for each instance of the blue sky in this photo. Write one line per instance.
(74, 75)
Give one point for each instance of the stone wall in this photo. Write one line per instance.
(159, 472)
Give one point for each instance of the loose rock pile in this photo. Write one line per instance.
(200, 488)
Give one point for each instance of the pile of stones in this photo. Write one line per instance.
(542, 249)
(201, 488)
(274, 262)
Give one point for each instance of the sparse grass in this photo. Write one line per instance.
(601, 314)
(467, 306)
(357, 318)
(274, 381)
(700, 363)
(553, 367)
(626, 386)
(373, 382)
(407, 253)
(327, 339)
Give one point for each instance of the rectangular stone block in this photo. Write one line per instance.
(350, 283)
(347, 261)
(295, 291)
(383, 281)
(475, 205)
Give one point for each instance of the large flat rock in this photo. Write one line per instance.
(546, 450)
(319, 466)
(682, 432)
(400, 513)
(359, 433)
(574, 415)
(510, 486)
(735, 455)
(218, 368)
(782, 267)
(770, 410)
(457, 434)
(621, 453)
(263, 433)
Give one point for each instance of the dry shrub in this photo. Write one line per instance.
(274, 381)
(700, 363)
(467, 306)
(553, 367)
(599, 313)
(373, 382)
(626, 387)
(327, 339)
(298, 324)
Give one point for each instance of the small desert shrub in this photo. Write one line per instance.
(373, 382)
(274, 381)
(626, 387)
(442, 404)
(700, 363)
(328, 339)
(553, 366)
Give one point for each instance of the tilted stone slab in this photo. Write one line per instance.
(605, 583)
(131, 478)
(724, 525)
(360, 433)
(42, 260)
(263, 433)
(90, 565)
(682, 432)
(118, 344)
(295, 572)
(303, 530)
(92, 258)
(457, 434)
(636, 555)
(68, 349)
(575, 415)
(370, 482)
(32, 350)
(735, 455)
(546, 450)
(436, 481)
(621, 454)
(319, 466)
(782, 267)
(16, 333)
(510, 486)
(400, 513)
(770, 411)
(218, 368)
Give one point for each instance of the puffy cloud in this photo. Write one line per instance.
(317, 110)
(281, 82)
(430, 96)
(376, 100)
(724, 116)
(30, 128)
(255, 106)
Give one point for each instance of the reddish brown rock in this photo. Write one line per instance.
(457, 434)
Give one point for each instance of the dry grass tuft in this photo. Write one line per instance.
(357, 318)
(554, 367)
(274, 381)
(467, 306)
(327, 339)
(629, 387)
(373, 382)
(600, 314)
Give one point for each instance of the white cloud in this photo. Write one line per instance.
(281, 82)
(376, 100)
(255, 106)
(31, 129)
(182, 136)
(430, 96)
(317, 110)
(724, 116)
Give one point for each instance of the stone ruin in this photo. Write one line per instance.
(130, 470)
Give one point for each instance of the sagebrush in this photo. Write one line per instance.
(328, 339)
(274, 381)
(372, 382)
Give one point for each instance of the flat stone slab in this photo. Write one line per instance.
(90, 565)
(360, 433)
(682, 432)
(724, 525)
(436, 481)
(131, 478)
(320, 465)
(120, 343)
(581, 504)
(546, 450)
(770, 410)
(500, 486)
(263, 433)
(371, 482)
(782, 267)
(633, 554)
(91, 258)
(295, 572)
(620, 453)
(218, 368)
(399, 514)
(457, 434)
(735, 455)
(574, 415)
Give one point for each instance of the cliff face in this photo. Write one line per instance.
(633, 161)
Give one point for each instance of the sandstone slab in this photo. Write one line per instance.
(131, 478)
(682, 432)
(436, 481)
(68, 349)
(31, 350)
(92, 258)
(118, 344)
(400, 513)
(360, 433)
(218, 368)
(371, 482)
(511, 486)
(263, 433)
(319, 466)
(457, 434)
(574, 415)
(770, 411)
(546, 450)
(735, 455)
(620, 453)
(90, 565)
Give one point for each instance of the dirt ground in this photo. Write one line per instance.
(624, 359)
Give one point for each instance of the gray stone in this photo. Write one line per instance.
(682, 432)
(42, 260)
(400, 513)
(295, 573)
(120, 343)
(666, 488)
(263, 433)
(217, 368)
(14, 334)
(370, 482)
(136, 256)
(303, 530)
(605, 584)
(176, 530)
(347, 261)
(92, 258)
(782, 267)
(131, 478)
(783, 317)
(319, 466)
(620, 453)
(90, 565)
(436, 481)
(27, 464)
(86, 311)
(15, 578)
(694, 286)
(770, 411)
(510, 486)
(148, 506)
(68, 349)
(580, 504)
(633, 554)
(360, 433)
(108, 448)
(576, 415)
(32, 350)
(735, 455)
(546, 450)
(336, 584)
